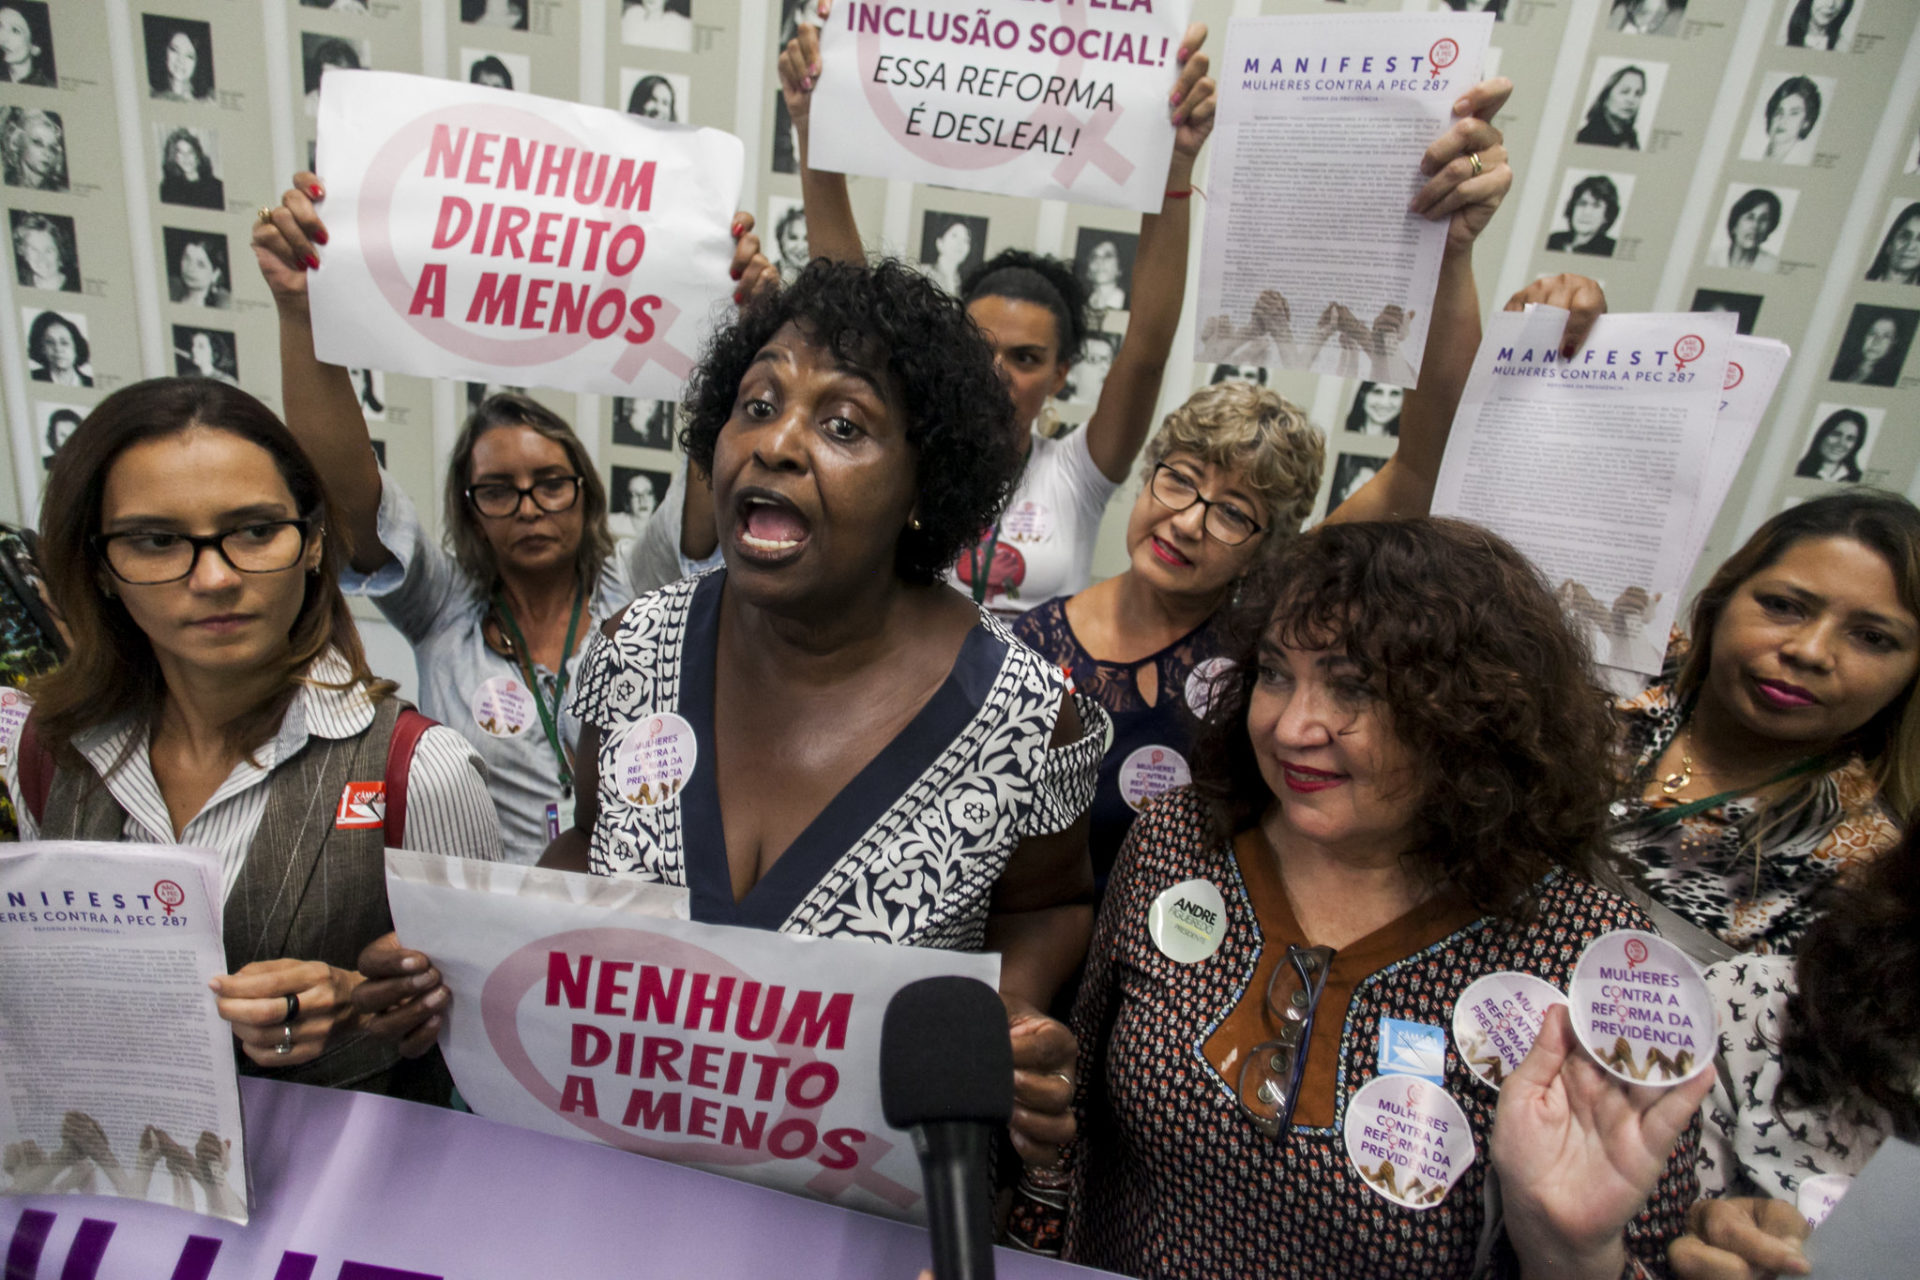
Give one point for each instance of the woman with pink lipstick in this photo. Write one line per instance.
(1782, 749)
(1391, 800)
(823, 738)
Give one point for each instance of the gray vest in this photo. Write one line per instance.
(308, 890)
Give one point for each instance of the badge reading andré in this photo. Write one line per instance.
(655, 758)
(1188, 921)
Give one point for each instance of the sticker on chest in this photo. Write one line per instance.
(653, 760)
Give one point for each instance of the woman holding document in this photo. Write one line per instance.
(1033, 310)
(500, 616)
(1781, 748)
(216, 695)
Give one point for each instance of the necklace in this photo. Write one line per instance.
(1674, 783)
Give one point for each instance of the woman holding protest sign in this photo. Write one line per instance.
(216, 695)
(1033, 309)
(499, 617)
(823, 738)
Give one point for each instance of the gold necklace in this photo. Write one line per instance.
(1674, 783)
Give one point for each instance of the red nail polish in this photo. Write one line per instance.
(736, 229)
(1185, 53)
(738, 271)
(320, 237)
(315, 192)
(313, 263)
(739, 296)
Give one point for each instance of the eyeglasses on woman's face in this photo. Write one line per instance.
(149, 557)
(1225, 523)
(1270, 1077)
(550, 494)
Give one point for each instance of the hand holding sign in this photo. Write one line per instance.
(1579, 1152)
(1458, 187)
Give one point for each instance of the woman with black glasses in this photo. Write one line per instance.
(1400, 789)
(500, 616)
(216, 695)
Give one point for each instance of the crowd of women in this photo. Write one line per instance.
(1380, 743)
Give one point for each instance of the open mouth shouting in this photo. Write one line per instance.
(768, 528)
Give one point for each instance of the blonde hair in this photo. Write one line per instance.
(1251, 430)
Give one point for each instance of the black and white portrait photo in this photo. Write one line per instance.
(1827, 25)
(656, 95)
(1087, 375)
(644, 424)
(951, 245)
(786, 142)
(190, 167)
(505, 15)
(370, 386)
(1647, 17)
(635, 494)
(658, 24)
(498, 70)
(1252, 373)
(1623, 99)
(1104, 262)
(57, 347)
(1785, 126)
(1752, 227)
(1874, 347)
(1744, 306)
(1837, 449)
(318, 53)
(55, 424)
(784, 236)
(44, 253)
(205, 353)
(26, 44)
(33, 149)
(1375, 410)
(1898, 259)
(197, 268)
(477, 393)
(179, 58)
(1591, 205)
(1350, 472)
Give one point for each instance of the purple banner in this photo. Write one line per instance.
(353, 1187)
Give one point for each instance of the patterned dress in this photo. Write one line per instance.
(1706, 868)
(1171, 1179)
(909, 852)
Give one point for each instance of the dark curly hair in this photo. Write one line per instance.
(1036, 278)
(1852, 1027)
(958, 417)
(1476, 672)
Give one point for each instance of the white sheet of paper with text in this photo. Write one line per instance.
(1753, 371)
(1311, 260)
(1593, 465)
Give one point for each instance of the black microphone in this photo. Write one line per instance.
(946, 1075)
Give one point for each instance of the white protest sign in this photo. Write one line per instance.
(1642, 1009)
(1065, 100)
(491, 236)
(1311, 260)
(591, 1008)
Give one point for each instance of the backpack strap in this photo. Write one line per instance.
(35, 771)
(406, 736)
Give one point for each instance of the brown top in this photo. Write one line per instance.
(1249, 1024)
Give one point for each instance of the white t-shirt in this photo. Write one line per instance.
(1044, 546)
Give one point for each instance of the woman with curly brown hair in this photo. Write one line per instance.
(1394, 797)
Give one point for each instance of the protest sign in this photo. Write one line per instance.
(1062, 101)
(1592, 464)
(1311, 260)
(486, 235)
(116, 1072)
(592, 1008)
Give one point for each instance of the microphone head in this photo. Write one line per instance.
(945, 1054)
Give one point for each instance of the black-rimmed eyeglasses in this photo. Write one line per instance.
(1222, 521)
(551, 494)
(1270, 1077)
(147, 557)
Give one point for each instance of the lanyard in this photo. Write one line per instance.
(1661, 819)
(990, 542)
(524, 658)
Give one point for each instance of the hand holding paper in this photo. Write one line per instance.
(254, 1002)
(1582, 299)
(1043, 1056)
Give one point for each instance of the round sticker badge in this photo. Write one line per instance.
(1409, 1139)
(1026, 524)
(504, 708)
(655, 758)
(1203, 684)
(1189, 921)
(1150, 770)
(1496, 1019)
(1819, 1194)
(14, 709)
(1642, 1010)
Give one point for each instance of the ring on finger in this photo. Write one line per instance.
(293, 1009)
(265, 214)
(1473, 157)
(286, 1040)
(1061, 1075)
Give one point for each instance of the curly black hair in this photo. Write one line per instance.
(1036, 278)
(1475, 670)
(958, 416)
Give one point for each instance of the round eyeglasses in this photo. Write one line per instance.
(1270, 1077)
(147, 557)
(551, 494)
(1224, 523)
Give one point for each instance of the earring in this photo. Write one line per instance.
(914, 524)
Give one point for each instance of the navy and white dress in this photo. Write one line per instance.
(909, 852)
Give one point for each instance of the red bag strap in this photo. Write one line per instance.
(407, 729)
(35, 770)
